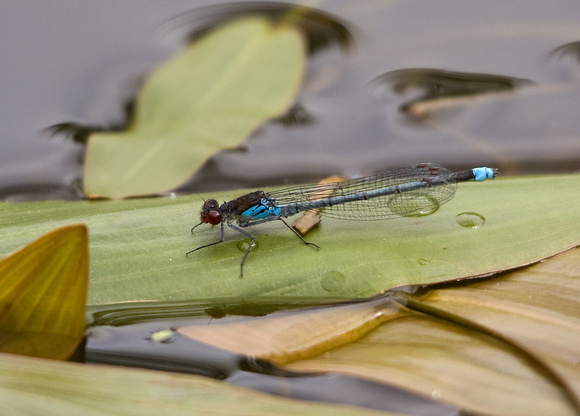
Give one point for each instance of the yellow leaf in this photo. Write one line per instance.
(43, 292)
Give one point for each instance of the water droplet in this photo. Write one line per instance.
(418, 206)
(332, 281)
(423, 261)
(470, 220)
(245, 243)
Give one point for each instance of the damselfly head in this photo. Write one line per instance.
(210, 213)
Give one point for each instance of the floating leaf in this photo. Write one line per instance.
(43, 292)
(138, 246)
(208, 98)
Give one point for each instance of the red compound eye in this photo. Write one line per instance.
(214, 217)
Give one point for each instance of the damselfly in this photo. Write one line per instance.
(404, 192)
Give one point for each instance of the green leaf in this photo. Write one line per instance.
(43, 292)
(206, 99)
(31, 386)
(138, 246)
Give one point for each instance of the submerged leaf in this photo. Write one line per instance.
(43, 292)
(505, 345)
(444, 88)
(291, 337)
(568, 49)
(208, 98)
(437, 83)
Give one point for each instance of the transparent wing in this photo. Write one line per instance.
(439, 187)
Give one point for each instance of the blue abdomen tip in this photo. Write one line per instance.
(483, 173)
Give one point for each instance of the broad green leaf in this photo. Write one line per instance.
(31, 386)
(43, 293)
(206, 99)
(138, 246)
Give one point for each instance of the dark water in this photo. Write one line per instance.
(65, 60)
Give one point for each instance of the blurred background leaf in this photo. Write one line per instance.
(206, 99)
